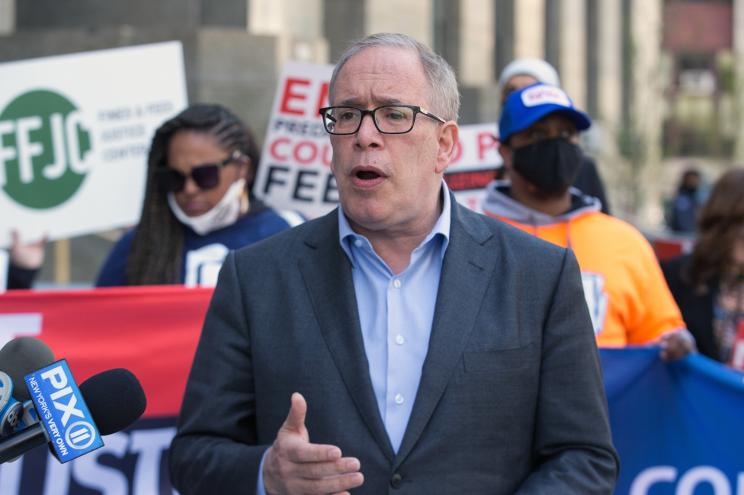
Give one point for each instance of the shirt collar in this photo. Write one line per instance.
(346, 236)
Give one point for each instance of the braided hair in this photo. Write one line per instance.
(156, 253)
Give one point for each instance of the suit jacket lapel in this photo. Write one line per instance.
(326, 272)
(466, 272)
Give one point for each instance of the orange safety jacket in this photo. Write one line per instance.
(625, 290)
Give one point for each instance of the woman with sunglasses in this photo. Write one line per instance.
(197, 204)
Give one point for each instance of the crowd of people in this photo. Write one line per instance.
(507, 307)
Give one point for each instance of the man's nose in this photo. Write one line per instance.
(368, 135)
(553, 134)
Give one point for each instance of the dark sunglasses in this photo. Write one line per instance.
(205, 176)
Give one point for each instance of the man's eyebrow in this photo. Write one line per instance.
(354, 102)
(390, 101)
(349, 102)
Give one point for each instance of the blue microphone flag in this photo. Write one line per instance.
(63, 412)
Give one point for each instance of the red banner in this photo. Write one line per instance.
(151, 331)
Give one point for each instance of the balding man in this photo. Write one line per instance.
(402, 343)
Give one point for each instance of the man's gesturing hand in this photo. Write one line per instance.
(293, 465)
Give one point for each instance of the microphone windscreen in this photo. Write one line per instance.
(22, 356)
(115, 399)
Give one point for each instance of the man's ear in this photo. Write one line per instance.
(449, 134)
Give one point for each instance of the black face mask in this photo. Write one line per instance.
(551, 165)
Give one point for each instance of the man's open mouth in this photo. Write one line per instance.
(367, 175)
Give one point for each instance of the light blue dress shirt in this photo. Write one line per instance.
(396, 313)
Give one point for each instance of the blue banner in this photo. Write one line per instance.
(678, 427)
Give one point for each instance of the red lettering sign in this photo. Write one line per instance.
(291, 94)
(322, 97)
(303, 152)
(274, 149)
(486, 142)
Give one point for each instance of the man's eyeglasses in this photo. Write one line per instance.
(205, 176)
(389, 119)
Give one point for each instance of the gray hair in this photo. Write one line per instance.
(444, 95)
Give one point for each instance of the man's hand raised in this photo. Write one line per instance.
(293, 465)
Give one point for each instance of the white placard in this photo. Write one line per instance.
(295, 171)
(474, 165)
(75, 131)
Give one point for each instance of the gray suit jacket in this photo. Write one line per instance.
(510, 400)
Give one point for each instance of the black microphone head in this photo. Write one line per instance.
(22, 356)
(115, 399)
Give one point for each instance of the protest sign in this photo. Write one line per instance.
(74, 136)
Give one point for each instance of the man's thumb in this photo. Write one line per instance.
(297, 411)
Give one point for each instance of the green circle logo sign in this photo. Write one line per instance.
(43, 149)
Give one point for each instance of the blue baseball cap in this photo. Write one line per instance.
(528, 105)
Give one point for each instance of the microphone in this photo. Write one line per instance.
(21, 356)
(18, 358)
(10, 409)
(115, 400)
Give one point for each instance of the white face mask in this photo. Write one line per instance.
(224, 213)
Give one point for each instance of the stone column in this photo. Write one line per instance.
(343, 22)
(299, 31)
(572, 51)
(604, 96)
(738, 30)
(529, 28)
(411, 17)
(476, 42)
(647, 108)
(477, 70)
(609, 63)
(7, 17)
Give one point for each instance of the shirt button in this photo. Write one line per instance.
(400, 340)
(396, 283)
(396, 480)
(399, 399)
(358, 243)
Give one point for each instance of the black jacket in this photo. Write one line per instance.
(697, 308)
(21, 278)
(589, 182)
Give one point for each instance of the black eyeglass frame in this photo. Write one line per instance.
(416, 110)
(167, 174)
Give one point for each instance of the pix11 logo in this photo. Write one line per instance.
(62, 411)
(45, 149)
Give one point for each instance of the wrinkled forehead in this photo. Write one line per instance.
(381, 74)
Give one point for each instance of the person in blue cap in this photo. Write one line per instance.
(522, 72)
(627, 296)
